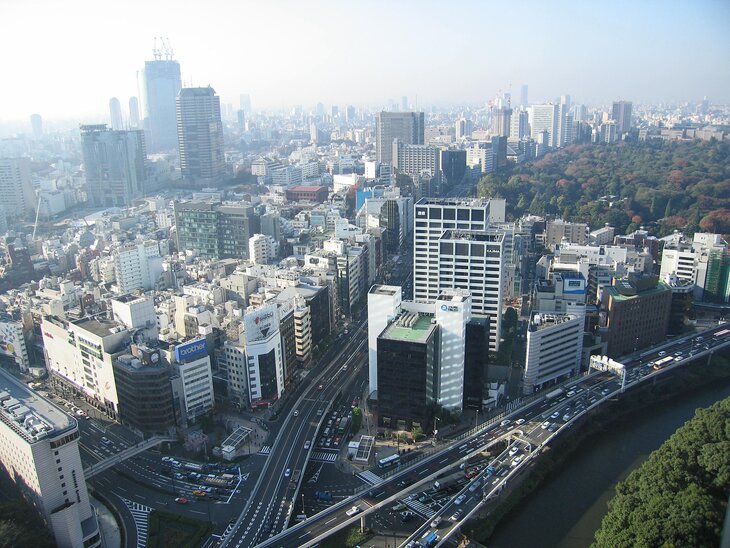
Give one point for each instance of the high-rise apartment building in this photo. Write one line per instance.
(200, 135)
(39, 449)
(115, 114)
(114, 165)
(544, 118)
(16, 187)
(463, 128)
(137, 265)
(621, 113)
(454, 247)
(161, 85)
(407, 127)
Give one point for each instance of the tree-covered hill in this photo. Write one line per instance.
(678, 497)
(660, 185)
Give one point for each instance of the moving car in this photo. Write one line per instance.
(296, 412)
(307, 444)
(436, 522)
(505, 422)
(181, 500)
(287, 472)
(520, 421)
(457, 515)
(353, 511)
(458, 500)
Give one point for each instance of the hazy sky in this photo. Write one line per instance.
(65, 59)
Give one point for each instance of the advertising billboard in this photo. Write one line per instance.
(261, 323)
(191, 350)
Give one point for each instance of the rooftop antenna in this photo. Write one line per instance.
(156, 53)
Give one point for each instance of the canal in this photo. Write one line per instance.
(566, 510)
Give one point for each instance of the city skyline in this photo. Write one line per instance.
(234, 47)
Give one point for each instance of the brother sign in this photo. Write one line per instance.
(192, 350)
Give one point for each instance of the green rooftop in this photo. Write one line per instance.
(615, 291)
(419, 331)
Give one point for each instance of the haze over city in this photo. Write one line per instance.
(67, 59)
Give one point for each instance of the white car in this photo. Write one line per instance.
(505, 422)
(520, 421)
(287, 472)
(296, 412)
(513, 451)
(555, 415)
(458, 500)
(307, 444)
(353, 511)
(546, 425)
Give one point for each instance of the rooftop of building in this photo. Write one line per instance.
(453, 296)
(29, 415)
(542, 321)
(100, 328)
(388, 290)
(410, 327)
(469, 202)
(624, 290)
(306, 188)
(473, 235)
(129, 298)
(568, 275)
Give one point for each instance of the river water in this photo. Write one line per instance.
(567, 510)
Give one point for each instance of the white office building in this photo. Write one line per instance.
(261, 249)
(544, 118)
(384, 303)
(265, 356)
(454, 247)
(16, 187)
(554, 347)
(39, 449)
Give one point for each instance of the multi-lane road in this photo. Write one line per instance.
(539, 421)
(269, 508)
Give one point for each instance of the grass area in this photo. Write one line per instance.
(553, 460)
(347, 538)
(167, 530)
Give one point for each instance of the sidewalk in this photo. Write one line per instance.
(111, 536)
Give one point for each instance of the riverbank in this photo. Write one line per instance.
(609, 417)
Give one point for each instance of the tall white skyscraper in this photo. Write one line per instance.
(544, 118)
(455, 249)
(162, 83)
(36, 124)
(523, 96)
(200, 135)
(115, 114)
(621, 113)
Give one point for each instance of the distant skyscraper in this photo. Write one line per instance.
(245, 103)
(404, 103)
(334, 111)
(501, 121)
(36, 123)
(16, 187)
(544, 118)
(200, 135)
(319, 109)
(161, 86)
(405, 126)
(464, 128)
(350, 114)
(519, 126)
(621, 113)
(523, 96)
(114, 165)
(115, 114)
(241, 119)
(133, 113)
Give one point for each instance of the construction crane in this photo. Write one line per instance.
(156, 53)
(167, 48)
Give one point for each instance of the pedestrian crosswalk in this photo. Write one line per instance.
(265, 450)
(140, 515)
(370, 477)
(323, 457)
(420, 508)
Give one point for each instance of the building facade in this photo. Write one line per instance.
(114, 165)
(200, 136)
(407, 127)
(554, 347)
(39, 449)
(16, 186)
(161, 84)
